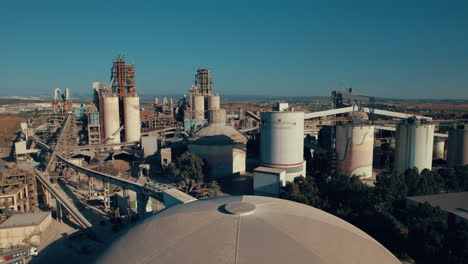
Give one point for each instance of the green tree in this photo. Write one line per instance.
(426, 235)
(302, 190)
(424, 183)
(462, 177)
(457, 243)
(390, 192)
(187, 167)
(450, 179)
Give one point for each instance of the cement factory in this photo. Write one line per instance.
(115, 152)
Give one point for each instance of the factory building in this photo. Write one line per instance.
(245, 229)
(222, 148)
(61, 101)
(282, 142)
(414, 145)
(354, 147)
(269, 181)
(24, 229)
(457, 153)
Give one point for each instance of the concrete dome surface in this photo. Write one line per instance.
(245, 229)
(215, 134)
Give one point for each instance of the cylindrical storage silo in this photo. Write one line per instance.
(111, 119)
(217, 116)
(213, 102)
(282, 142)
(414, 144)
(438, 151)
(198, 107)
(354, 148)
(132, 118)
(457, 152)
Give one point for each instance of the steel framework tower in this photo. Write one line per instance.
(204, 82)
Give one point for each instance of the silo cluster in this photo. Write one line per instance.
(354, 148)
(202, 98)
(119, 105)
(414, 145)
(457, 152)
(282, 142)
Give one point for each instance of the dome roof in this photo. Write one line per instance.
(245, 229)
(216, 134)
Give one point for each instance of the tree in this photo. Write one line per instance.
(426, 235)
(187, 167)
(390, 192)
(462, 177)
(411, 177)
(450, 179)
(457, 243)
(302, 190)
(427, 182)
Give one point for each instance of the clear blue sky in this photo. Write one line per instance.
(267, 47)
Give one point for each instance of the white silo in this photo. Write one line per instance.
(217, 116)
(439, 148)
(414, 145)
(354, 147)
(457, 153)
(282, 142)
(132, 118)
(198, 109)
(213, 102)
(112, 119)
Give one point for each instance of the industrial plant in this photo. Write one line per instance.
(119, 158)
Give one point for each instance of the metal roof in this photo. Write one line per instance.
(455, 203)
(245, 229)
(18, 220)
(87, 153)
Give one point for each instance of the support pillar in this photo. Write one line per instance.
(106, 197)
(59, 212)
(15, 203)
(142, 200)
(127, 203)
(90, 187)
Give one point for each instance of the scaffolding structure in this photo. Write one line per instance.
(93, 126)
(204, 81)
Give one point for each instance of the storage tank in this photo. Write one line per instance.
(439, 148)
(354, 148)
(213, 102)
(217, 116)
(414, 145)
(132, 118)
(457, 153)
(111, 119)
(282, 142)
(222, 148)
(198, 109)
